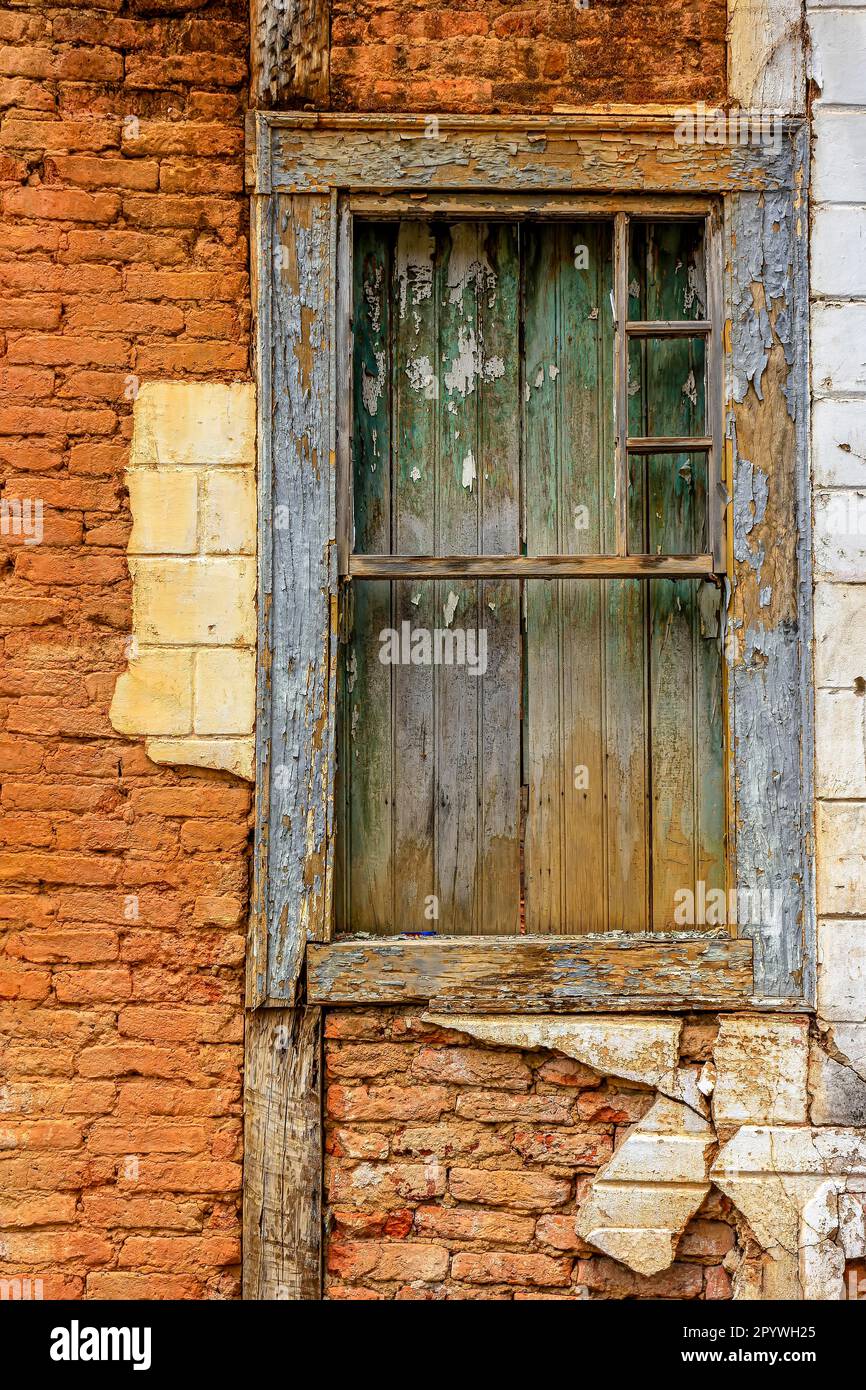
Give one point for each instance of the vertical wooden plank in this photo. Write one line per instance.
(620, 349)
(769, 662)
(498, 481)
(296, 580)
(367, 682)
(416, 376)
(570, 508)
(282, 1154)
(545, 771)
(460, 283)
(684, 671)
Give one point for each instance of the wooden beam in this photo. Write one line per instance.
(668, 328)
(530, 566)
(297, 579)
(283, 1154)
(517, 154)
(540, 974)
(678, 207)
(670, 444)
(290, 47)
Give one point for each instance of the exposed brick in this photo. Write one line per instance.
(471, 1066)
(522, 1191)
(468, 1223)
(387, 1260)
(506, 1268)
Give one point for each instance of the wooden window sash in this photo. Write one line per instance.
(620, 565)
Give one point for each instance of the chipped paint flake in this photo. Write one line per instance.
(450, 607)
(419, 370)
(469, 474)
(371, 386)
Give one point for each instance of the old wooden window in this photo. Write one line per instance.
(531, 734)
(638, 516)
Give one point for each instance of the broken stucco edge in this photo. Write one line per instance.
(785, 1178)
(189, 686)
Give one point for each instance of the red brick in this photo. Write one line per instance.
(373, 1184)
(522, 1191)
(614, 1280)
(717, 1285)
(67, 205)
(120, 1284)
(37, 1210)
(387, 1260)
(582, 1147)
(92, 986)
(472, 1223)
(83, 1248)
(559, 1232)
(706, 1240)
(29, 313)
(472, 1066)
(184, 1254)
(388, 1102)
(88, 171)
(493, 1106)
(362, 1061)
(494, 1267)
(60, 136)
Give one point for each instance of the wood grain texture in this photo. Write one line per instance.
(548, 154)
(535, 974)
(432, 776)
(570, 495)
(297, 573)
(290, 47)
(529, 566)
(282, 1154)
(770, 620)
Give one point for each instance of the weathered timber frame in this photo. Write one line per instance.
(309, 175)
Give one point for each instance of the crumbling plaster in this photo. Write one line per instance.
(740, 1123)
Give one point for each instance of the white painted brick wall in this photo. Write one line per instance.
(838, 288)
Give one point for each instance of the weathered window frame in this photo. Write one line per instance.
(307, 171)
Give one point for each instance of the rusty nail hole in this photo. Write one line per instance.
(859, 685)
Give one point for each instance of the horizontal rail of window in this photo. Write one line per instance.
(668, 328)
(669, 444)
(531, 566)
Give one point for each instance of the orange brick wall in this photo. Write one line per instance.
(123, 886)
(505, 55)
(454, 1171)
